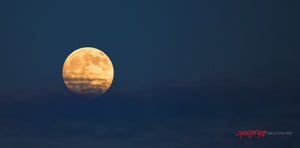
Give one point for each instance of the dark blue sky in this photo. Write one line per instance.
(188, 74)
(153, 42)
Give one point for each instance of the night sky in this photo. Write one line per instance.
(188, 74)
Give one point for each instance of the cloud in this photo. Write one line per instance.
(173, 117)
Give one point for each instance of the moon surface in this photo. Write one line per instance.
(88, 71)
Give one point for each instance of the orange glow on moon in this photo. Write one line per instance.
(88, 71)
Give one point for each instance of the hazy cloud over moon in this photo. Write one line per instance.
(88, 71)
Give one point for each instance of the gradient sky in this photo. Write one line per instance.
(187, 73)
(193, 41)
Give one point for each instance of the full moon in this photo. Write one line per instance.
(88, 71)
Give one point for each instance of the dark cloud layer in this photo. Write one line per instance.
(174, 117)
